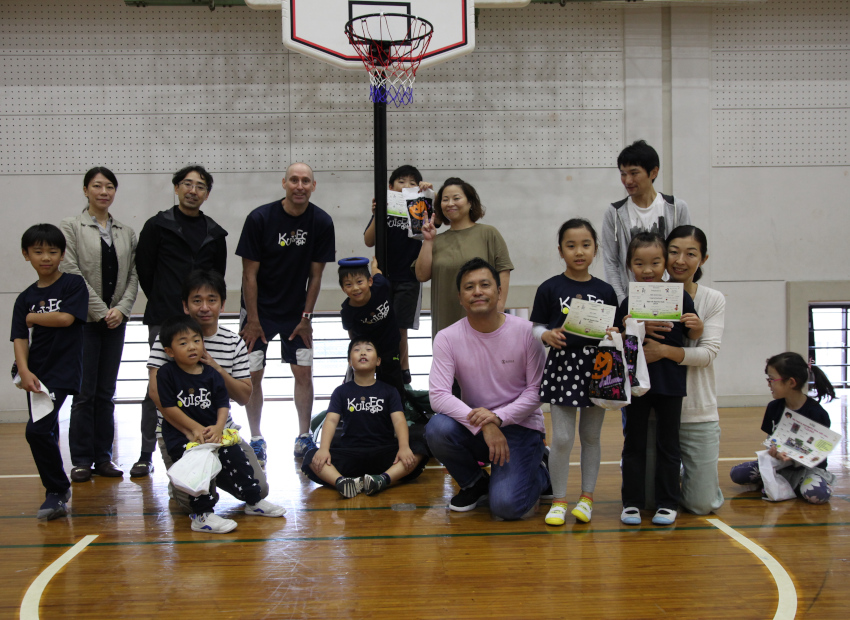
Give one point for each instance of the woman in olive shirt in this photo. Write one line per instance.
(458, 205)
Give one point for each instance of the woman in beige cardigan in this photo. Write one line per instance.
(103, 251)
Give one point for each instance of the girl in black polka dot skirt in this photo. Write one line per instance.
(566, 377)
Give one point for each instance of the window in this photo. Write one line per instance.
(829, 341)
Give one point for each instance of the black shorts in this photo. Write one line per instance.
(407, 303)
(356, 462)
(292, 351)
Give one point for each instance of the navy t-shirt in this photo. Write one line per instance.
(198, 396)
(375, 319)
(402, 250)
(365, 413)
(56, 353)
(666, 377)
(810, 409)
(285, 247)
(555, 294)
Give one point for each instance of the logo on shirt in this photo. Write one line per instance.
(379, 314)
(396, 222)
(201, 399)
(508, 361)
(371, 404)
(296, 237)
(42, 307)
(565, 301)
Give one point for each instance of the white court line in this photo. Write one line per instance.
(786, 608)
(29, 606)
(21, 476)
(742, 459)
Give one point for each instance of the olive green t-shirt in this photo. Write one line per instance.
(451, 250)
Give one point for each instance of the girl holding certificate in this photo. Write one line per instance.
(699, 433)
(567, 372)
(647, 258)
(788, 376)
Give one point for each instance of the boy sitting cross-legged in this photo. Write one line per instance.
(370, 412)
(195, 407)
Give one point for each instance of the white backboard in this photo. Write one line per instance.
(317, 27)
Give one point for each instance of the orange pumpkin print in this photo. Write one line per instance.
(418, 209)
(602, 365)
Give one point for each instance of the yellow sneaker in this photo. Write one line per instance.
(583, 509)
(557, 514)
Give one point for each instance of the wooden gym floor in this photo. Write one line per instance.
(403, 554)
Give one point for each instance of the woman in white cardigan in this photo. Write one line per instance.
(103, 251)
(699, 433)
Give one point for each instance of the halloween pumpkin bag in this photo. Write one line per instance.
(420, 205)
(609, 380)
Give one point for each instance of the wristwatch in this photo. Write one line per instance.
(307, 315)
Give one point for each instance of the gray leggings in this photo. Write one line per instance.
(563, 437)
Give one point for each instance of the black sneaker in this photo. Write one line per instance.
(54, 506)
(470, 498)
(373, 485)
(349, 487)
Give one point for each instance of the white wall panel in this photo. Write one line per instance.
(808, 137)
(144, 84)
(55, 144)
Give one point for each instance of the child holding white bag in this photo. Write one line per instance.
(195, 406)
(788, 376)
(647, 258)
(566, 377)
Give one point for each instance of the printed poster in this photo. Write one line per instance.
(803, 440)
(589, 319)
(656, 301)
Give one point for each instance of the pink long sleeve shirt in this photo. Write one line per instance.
(500, 371)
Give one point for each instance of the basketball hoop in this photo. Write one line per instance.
(391, 59)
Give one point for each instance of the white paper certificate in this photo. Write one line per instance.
(396, 204)
(656, 301)
(589, 319)
(803, 440)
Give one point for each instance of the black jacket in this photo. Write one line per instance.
(164, 258)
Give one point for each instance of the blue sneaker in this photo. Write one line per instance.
(259, 446)
(54, 506)
(303, 444)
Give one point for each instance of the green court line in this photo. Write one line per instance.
(337, 509)
(303, 539)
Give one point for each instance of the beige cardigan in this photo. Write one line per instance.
(82, 257)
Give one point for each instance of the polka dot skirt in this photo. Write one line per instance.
(566, 377)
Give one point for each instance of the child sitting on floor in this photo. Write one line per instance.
(370, 411)
(195, 406)
(788, 376)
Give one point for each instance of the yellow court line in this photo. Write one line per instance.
(29, 606)
(786, 608)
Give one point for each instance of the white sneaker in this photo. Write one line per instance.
(211, 523)
(264, 509)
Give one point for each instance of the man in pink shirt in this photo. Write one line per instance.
(498, 365)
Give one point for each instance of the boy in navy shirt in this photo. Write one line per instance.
(369, 412)
(368, 313)
(55, 309)
(195, 406)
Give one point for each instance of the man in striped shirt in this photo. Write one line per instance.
(204, 293)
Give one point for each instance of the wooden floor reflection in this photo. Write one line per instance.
(380, 557)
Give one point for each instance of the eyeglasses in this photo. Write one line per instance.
(769, 380)
(189, 186)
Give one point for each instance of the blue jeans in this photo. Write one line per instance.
(515, 486)
(92, 427)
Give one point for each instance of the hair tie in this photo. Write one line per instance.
(810, 362)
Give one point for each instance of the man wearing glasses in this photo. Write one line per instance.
(172, 244)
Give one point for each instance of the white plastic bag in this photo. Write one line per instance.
(609, 379)
(776, 487)
(633, 346)
(196, 468)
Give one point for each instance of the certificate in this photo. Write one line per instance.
(656, 301)
(801, 439)
(589, 319)
(396, 204)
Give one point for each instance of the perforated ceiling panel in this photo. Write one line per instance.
(781, 84)
(146, 90)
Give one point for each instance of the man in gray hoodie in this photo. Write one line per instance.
(644, 210)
